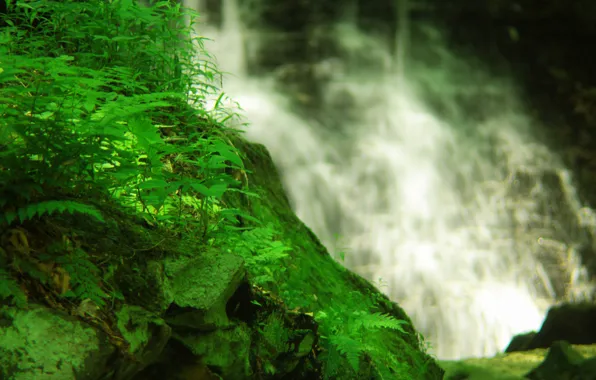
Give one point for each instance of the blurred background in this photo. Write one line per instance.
(442, 150)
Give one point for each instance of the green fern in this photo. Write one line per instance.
(349, 347)
(91, 118)
(262, 252)
(332, 359)
(84, 277)
(351, 339)
(379, 320)
(49, 207)
(10, 289)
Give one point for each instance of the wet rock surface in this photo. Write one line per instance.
(573, 323)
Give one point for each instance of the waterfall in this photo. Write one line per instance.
(402, 38)
(455, 214)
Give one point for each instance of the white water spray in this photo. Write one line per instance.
(418, 202)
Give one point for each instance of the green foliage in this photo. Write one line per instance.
(275, 334)
(134, 323)
(10, 290)
(263, 254)
(356, 339)
(95, 100)
(84, 277)
(49, 207)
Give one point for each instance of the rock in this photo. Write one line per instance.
(571, 322)
(564, 362)
(587, 369)
(45, 344)
(514, 365)
(574, 323)
(520, 342)
(147, 335)
(201, 287)
(194, 313)
(561, 362)
(215, 348)
(281, 340)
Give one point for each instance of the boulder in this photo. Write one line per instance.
(520, 342)
(571, 322)
(561, 362)
(191, 310)
(45, 344)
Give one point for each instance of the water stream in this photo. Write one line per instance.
(454, 215)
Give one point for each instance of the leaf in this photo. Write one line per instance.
(200, 188)
(50, 207)
(124, 38)
(45, 115)
(89, 105)
(215, 191)
(217, 162)
(153, 184)
(10, 289)
(226, 152)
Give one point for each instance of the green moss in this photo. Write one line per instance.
(313, 280)
(511, 366)
(143, 194)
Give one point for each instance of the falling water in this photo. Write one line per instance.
(453, 215)
(402, 38)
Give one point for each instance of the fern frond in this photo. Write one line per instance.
(84, 277)
(379, 320)
(349, 347)
(9, 289)
(49, 207)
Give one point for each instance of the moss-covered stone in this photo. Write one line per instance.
(510, 366)
(313, 280)
(45, 344)
(186, 306)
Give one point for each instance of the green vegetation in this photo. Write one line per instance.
(510, 366)
(108, 157)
